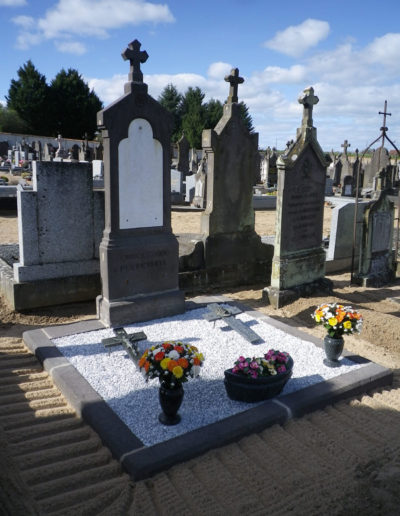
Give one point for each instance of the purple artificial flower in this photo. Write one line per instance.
(281, 369)
(253, 364)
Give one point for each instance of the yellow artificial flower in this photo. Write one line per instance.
(317, 317)
(164, 363)
(347, 325)
(332, 321)
(177, 371)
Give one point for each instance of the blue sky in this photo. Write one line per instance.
(349, 51)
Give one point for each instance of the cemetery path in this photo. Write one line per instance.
(343, 460)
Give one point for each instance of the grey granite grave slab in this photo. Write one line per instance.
(142, 461)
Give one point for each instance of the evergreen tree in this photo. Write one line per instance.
(213, 113)
(73, 105)
(193, 116)
(246, 117)
(29, 96)
(171, 100)
(11, 122)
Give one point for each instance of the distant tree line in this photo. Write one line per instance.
(191, 114)
(66, 106)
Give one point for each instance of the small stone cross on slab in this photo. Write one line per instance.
(308, 99)
(135, 56)
(234, 80)
(345, 144)
(127, 341)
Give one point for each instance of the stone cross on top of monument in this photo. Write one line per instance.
(234, 80)
(135, 56)
(345, 144)
(308, 99)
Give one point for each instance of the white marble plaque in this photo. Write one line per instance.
(140, 159)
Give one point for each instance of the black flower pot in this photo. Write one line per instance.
(240, 387)
(333, 347)
(170, 401)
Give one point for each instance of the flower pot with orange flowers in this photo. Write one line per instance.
(173, 363)
(338, 320)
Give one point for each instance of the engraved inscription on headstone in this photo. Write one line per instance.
(381, 231)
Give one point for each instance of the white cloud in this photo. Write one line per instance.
(95, 18)
(296, 39)
(26, 22)
(219, 70)
(385, 50)
(71, 47)
(12, 3)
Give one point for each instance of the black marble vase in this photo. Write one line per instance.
(170, 401)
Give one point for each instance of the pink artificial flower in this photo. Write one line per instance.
(241, 359)
(253, 365)
(235, 369)
(281, 369)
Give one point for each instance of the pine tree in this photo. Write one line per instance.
(73, 105)
(29, 97)
(171, 100)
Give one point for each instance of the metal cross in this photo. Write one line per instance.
(345, 144)
(129, 342)
(135, 56)
(384, 128)
(218, 312)
(234, 80)
(308, 99)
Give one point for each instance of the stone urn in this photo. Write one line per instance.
(333, 347)
(170, 401)
(241, 387)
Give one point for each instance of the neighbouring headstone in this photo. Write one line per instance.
(200, 179)
(190, 183)
(231, 242)
(177, 188)
(329, 186)
(138, 252)
(377, 264)
(183, 155)
(57, 237)
(298, 266)
(379, 162)
(348, 186)
(340, 250)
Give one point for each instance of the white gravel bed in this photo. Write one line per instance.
(115, 377)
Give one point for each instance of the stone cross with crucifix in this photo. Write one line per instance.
(308, 99)
(345, 144)
(135, 56)
(234, 80)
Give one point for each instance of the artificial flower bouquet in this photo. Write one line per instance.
(338, 319)
(172, 362)
(272, 363)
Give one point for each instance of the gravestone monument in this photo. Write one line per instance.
(298, 266)
(231, 242)
(200, 181)
(183, 155)
(138, 252)
(377, 264)
(60, 223)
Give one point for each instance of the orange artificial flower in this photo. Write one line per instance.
(172, 364)
(159, 356)
(183, 363)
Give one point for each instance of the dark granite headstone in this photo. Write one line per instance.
(377, 265)
(138, 253)
(232, 164)
(183, 155)
(298, 266)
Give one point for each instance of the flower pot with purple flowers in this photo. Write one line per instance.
(258, 379)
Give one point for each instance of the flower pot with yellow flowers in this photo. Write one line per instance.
(338, 320)
(173, 363)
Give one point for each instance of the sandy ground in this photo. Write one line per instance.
(347, 458)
